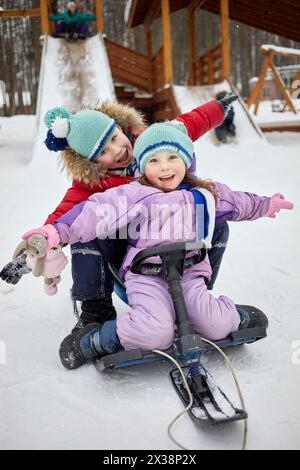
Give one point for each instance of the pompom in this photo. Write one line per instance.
(55, 144)
(53, 114)
(60, 127)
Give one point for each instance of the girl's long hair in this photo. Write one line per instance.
(191, 180)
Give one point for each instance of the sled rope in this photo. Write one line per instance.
(191, 397)
(189, 393)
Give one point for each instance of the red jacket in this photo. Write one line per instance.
(197, 122)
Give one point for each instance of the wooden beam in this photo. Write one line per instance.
(257, 90)
(280, 128)
(99, 16)
(282, 52)
(261, 82)
(225, 38)
(194, 4)
(244, 12)
(149, 43)
(132, 13)
(25, 12)
(153, 12)
(168, 62)
(44, 17)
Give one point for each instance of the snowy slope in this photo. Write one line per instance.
(188, 97)
(43, 406)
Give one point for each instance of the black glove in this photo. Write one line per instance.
(227, 100)
(13, 271)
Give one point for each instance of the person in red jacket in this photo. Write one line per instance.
(108, 164)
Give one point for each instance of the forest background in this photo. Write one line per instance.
(20, 48)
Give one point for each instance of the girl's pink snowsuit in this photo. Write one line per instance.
(149, 322)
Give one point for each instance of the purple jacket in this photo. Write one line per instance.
(149, 217)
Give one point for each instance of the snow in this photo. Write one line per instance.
(265, 116)
(127, 10)
(44, 406)
(281, 50)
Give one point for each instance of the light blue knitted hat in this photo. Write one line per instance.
(87, 132)
(169, 136)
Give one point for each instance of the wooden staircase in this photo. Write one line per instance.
(139, 82)
(139, 99)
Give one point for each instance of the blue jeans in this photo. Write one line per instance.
(92, 279)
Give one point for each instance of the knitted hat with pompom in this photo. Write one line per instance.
(86, 132)
(169, 136)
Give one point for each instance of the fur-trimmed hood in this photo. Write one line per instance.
(83, 170)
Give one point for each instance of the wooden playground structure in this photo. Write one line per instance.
(152, 74)
(269, 52)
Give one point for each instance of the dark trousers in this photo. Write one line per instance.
(81, 29)
(92, 279)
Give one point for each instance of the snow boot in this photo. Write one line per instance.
(89, 342)
(251, 317)
(95, 311)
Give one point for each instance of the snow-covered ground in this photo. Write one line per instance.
(43, 406)
(266, 116)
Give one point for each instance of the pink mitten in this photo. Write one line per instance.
(48, 231)
(277, 202)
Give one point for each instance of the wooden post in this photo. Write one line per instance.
(149, 43)
(210, 68)
(99, 15)
(168, 63)
(225, 38)
(257, 90)
(150, 54)
(193, 47)
(44, 17)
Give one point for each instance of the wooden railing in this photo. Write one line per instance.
(129, 66)
(207, 69)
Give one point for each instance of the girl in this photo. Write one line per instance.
(115, 127)
(160, 208)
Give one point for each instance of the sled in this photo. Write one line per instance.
(210, 404)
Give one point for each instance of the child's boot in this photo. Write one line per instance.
(89, 342)
(95, 311)
(251, 317)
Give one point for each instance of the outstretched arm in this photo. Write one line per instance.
(239, 205)
(100, 216)
(202, 119)
(206, 117)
